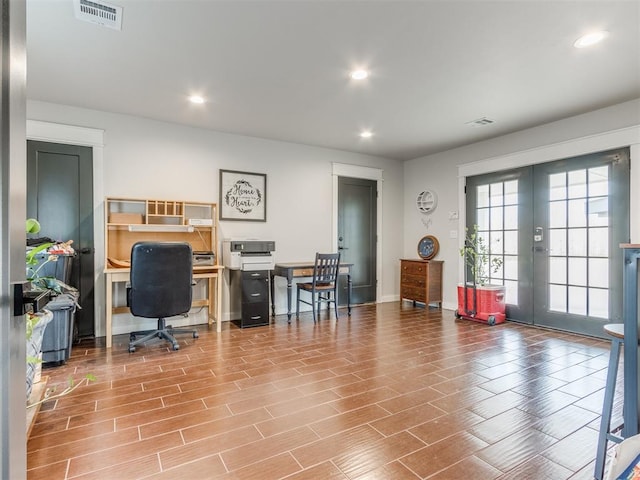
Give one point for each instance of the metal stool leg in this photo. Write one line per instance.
(607, 408)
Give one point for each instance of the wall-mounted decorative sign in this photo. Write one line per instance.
(427, 201)
(243, 196)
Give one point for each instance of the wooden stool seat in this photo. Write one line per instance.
(615, 330)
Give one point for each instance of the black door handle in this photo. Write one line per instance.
(87, 250)
(343, 248)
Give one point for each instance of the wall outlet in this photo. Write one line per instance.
(453, 233)
(453, 215)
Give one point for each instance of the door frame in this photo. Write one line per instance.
(620, 138)
(13, 187)
(367, 173)
(94, 138)
(534, 196)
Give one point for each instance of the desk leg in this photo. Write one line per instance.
(109, 308)
(273, 303)
(210, 311)
(289, 282)
(219, 301)
(349, 294)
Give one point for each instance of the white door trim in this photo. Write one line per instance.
(89, 137)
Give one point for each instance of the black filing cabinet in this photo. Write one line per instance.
(255, 298)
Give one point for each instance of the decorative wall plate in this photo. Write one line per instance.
(427, 201)
(428, 247)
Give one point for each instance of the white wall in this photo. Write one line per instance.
(144, 158)
(443, 172)
(150, 159)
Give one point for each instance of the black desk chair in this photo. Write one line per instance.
(324, 285)
(160, 286)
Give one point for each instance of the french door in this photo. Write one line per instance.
(557, 227)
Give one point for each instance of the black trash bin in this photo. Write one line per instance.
(58, 335)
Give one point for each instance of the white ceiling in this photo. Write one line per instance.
(279, 69)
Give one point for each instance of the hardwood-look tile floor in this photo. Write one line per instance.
(393, 392)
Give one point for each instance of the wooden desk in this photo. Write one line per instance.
(631, 413)
(213, 275)
(303, 269)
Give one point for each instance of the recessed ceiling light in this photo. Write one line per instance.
(366, 134)
(590, 39)
(196, 99)
(359, 74)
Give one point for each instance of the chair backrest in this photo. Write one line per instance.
(161, 279)
(325, 269)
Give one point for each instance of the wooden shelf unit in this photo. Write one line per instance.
(131, 220)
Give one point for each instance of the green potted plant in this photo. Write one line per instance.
(37, 321)
(478, 300)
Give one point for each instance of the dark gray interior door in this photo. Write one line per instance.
(60, 196)
(357, 227)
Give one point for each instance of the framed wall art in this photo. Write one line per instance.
(243, 196)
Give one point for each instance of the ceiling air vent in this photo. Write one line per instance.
(98, 12)
(480, 122)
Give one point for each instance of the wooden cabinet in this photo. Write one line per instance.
(131, 220)
(421, 281)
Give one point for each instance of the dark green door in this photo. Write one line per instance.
(357, 227)
(60, 196)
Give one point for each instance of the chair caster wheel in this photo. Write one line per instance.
(132, 338)
(132, 349)
(491, 320)
(195, 335)
(176, 346)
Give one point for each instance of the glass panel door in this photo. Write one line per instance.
(581, 217)
(498, 205)
(557, 228)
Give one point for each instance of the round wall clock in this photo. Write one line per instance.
(428, 247)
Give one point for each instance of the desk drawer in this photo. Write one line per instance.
(255, 314)
(254, 291)
(413, 280)
(255, 275)
(414, 268)
(414, 293)
(303, 272)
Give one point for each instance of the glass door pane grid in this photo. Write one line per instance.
(578, 242)
(497, 220)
